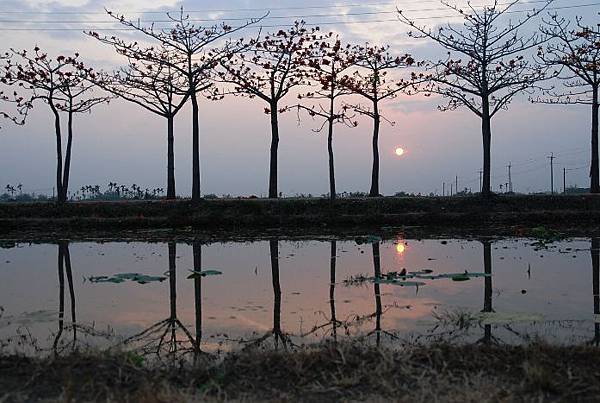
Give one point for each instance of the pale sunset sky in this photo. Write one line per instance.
(123, 143)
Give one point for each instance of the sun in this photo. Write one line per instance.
(399, 151)
(400, 248)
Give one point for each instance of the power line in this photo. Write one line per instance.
(269, 17)
(226, 10)
(308, 24)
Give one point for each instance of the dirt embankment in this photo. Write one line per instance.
(325, 373)
(309, 214)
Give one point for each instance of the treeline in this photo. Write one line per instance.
(487, 61)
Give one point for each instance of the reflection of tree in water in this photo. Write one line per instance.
(595, 252)
(378, 305)
(161, 338)
(487, 293)
(332, 323)
(64, 268)
(278, 335)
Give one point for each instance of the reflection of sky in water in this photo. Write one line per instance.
(240, 301)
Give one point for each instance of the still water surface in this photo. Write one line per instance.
(284, 293)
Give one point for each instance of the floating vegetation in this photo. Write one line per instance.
(401, 277)
(545, 236)
(204, 273)
(122, 277)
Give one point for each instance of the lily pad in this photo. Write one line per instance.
(204, 273)
(122, 277)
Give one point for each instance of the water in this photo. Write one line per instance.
(284, 293)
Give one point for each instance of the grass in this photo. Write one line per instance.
(327, 372)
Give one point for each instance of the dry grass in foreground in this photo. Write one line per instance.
(324, 373)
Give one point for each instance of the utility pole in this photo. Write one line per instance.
(551, 158)
(456, 188)
(510, 186)
(480, 178)
(444, 189)
(450, 188)
(564, 180)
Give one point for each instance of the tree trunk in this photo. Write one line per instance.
(332, 193)
(374, 192)
(170, 160)
(486, 132)
(67, 168)
(59, 168)
(195, 147)
(274, 148)
(595, 168)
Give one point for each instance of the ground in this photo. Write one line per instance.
(328, 372)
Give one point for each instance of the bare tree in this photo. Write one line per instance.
(575, 50)
(328, 60)
(485, 67)
(198, 50)
(150, 81)
(372, 81)
(269, 68)
(63, 83)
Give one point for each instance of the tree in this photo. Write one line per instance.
(20, 104)
(576, 52)
(197, 54)
(489, 68)
(151, 82)
(371, 81)
(269, 68)
(63, 83)
(328, 60)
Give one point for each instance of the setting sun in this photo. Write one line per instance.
(399, 151)
(400, 248)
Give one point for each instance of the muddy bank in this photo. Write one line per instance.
(323, 373)
(241, 219)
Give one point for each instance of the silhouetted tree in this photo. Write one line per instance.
(575, 50)
(150, 81)
(198, 49)
(63, 83)
(20, 105)
(328, 60)
(485, 67)
(269, 68)
(372, 80)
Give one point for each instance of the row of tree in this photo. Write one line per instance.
(489, 61)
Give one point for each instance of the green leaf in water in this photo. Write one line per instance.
(204, 273)
(122, 277)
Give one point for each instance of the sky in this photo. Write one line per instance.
(123, 143)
